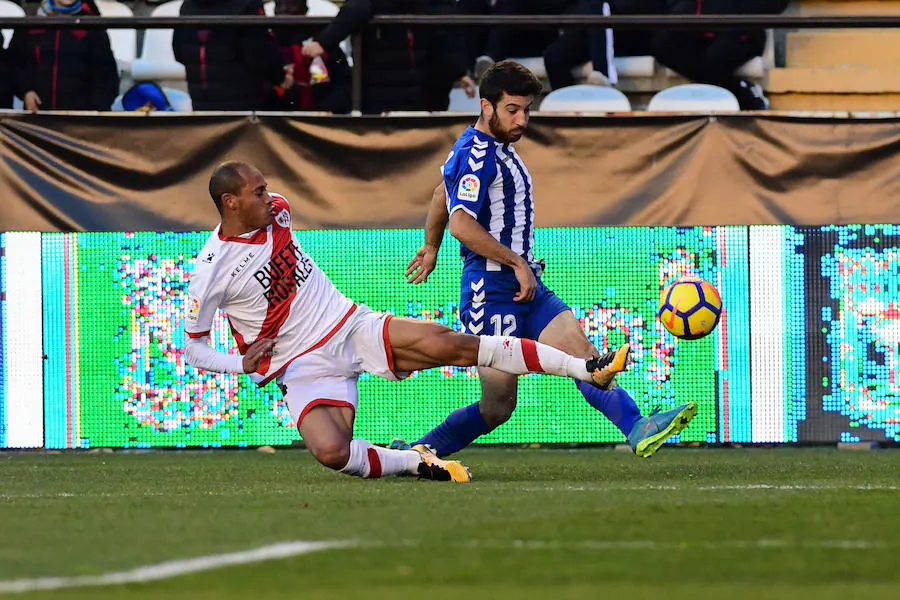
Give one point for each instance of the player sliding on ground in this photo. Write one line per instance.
(486, 197)
(292, 325)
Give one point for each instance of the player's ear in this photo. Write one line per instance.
(485, 105)
(229, 201)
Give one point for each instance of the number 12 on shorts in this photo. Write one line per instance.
(503, 324)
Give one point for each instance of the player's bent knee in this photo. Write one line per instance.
(332, 455)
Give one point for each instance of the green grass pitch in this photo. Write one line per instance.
(535, 523)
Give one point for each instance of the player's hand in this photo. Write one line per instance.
(256, 352)
(422, 264)
(527, 284)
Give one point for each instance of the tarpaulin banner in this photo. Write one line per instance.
(69, 173)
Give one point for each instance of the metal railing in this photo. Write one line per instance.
(687, 22)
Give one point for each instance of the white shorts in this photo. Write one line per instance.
(328, 375)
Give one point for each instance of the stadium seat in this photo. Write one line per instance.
(627, 66)
(9, 10)
(694, 97)
(586, 98)
(461, 103)
(157, 60)
(122, 41)
(181, 101)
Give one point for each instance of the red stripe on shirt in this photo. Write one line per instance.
(277, 313)
(198, 335)
(238, 338)
(532, 362)
(316, 346)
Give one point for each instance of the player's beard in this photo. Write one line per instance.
(499, 133)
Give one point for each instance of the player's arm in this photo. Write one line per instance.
(476, 238)
(203, 298)
(201, 355)
(423, 263)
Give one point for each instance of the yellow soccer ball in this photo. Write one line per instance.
(690, 307)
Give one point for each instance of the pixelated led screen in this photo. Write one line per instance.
(806, 350)
(847, 335)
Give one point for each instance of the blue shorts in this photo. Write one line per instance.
(486, 306)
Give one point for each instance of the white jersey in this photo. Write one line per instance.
(269, 288)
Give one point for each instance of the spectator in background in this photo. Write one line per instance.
(403, 68)
(329, 88)
(475, 39)
(448, 61)
(64, 69)
(576, 46)
(713, 57)
(511, 42)
(229, 69)
(6, 84)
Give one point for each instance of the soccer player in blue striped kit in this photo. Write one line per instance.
(486, 197)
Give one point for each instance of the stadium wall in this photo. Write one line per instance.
(807, 350)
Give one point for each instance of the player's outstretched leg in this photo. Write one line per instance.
(417, 345)
(520, 356)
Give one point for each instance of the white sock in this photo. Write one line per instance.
(520, 356)
(370, 461)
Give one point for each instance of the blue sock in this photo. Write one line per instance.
(616, 404)
(458, 430)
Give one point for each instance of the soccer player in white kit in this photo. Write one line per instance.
(292, 325)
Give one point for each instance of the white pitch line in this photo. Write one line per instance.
(525, 488)
(676, 545)
(707, 488)
(173, 568)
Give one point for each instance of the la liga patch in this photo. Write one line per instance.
(468, 188)
(193, 313)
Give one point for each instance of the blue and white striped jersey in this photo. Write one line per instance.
(488, 180)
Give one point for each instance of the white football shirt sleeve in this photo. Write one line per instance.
(202, 302)
(200, 355)
(203, 297)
